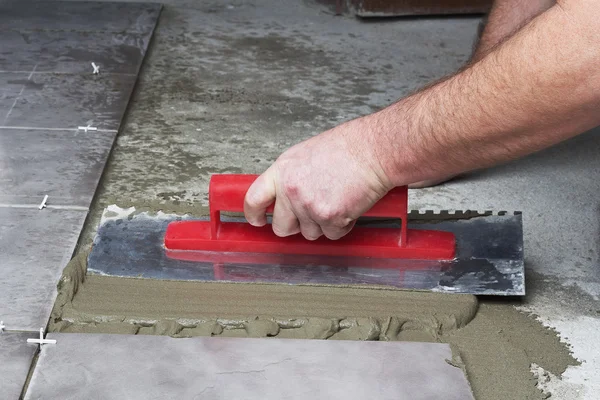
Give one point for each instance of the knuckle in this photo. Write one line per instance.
(339, 228)
(252, 200)
(324, 213)
(341, 222)
(291, 189)
(331, 215)
(308, 207)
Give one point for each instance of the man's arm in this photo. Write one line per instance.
(537, 88)
(505, 19)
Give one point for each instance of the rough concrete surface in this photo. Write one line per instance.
(228, 85)
(226, 88)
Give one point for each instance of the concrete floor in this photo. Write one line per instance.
(227, 86)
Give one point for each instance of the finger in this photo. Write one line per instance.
(334, 232)
(260, 196)
(309, 228)
(285, 222)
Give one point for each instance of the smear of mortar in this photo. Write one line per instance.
(494, 343)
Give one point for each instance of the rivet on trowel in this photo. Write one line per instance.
(87, 128)
(41, 340)
(43, 203)
(96, 68)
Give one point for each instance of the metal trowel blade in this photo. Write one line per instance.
(489, 257)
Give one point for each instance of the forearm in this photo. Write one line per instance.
(538, 88)
(505, 19)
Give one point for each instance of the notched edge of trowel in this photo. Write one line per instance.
(430, 215)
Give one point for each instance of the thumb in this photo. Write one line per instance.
(259, 197)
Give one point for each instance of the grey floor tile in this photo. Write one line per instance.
(72, 51)
(79, 16)
(69, 101)
(16, 356)
(11, 85)
(141, 367)
(35, 245)
(65, 165)
(12, 82)
(7, 101)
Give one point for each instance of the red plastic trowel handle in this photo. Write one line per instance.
(227, 192)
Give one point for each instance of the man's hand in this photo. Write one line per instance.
(535, 89)
(320, 186)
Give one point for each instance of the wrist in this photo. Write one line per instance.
(397, 133)
(375, 141)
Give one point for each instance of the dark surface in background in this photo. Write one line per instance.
(402, 8)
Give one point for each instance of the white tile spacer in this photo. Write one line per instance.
(2, 326)
(43, 203)
(96, 68)
(41, 340)
(87, 128)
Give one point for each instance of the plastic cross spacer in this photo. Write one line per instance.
(96, 68)
(43, 203)
(87, 128)
(41, 340)
(2, 326)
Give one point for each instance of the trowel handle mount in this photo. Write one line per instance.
(226, 192)
(243, 241)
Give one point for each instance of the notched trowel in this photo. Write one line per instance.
(460, 252)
